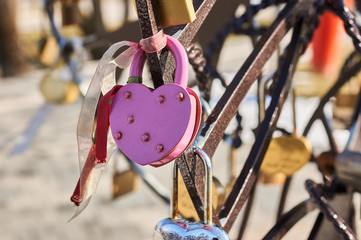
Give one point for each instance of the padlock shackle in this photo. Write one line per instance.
(181, 61)
(136, 68)
(208, 204)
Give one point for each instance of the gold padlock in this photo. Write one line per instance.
(50, 52)
(185, 204)
(175, 12)
(287, 154)
(344, 106)
(276, 178)
(124, 182)
(57, 90)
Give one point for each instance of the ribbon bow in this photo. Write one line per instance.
(103, 81)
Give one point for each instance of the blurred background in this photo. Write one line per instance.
(48, 53)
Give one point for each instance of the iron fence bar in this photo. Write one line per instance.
(289, 219)
(149, 27)
(346, 73)
(248, 175)
(339, 223)
(240, 85)
(285, 189)
(185, 36)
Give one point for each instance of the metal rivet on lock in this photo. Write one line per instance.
(160, 99)
(180, 97)
(130, 119)
(160, 148)
(127, 94)
(118, 135)
(145, 137)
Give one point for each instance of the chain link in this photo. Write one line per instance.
(313, 22)
(348, 18)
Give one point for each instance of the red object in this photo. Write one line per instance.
(327, 42)
(79, 191)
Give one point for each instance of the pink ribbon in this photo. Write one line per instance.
(103, 81)
(152, 44)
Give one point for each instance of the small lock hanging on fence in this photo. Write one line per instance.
(57, 86)
(50, 51)
(287, 154)
(172, 13)
(177, 228)
(151, 126)
(124, 181)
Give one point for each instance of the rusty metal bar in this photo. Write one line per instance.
(282, 202)
(212, 131)
(337, 221)
(247, 212)
(288, 220)
(237, 90)
(346, 73)
(317, 200)
(248, 175)
(185, 36)
(316, 227)
(148, 26)
(328, 130)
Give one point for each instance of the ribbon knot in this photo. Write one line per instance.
(151, 44)
(154, 43)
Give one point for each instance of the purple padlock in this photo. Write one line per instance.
(155, 126)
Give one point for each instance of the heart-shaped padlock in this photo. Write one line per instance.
(181, 229)
(154, 126)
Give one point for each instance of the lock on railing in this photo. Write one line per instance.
(177, 228)
(172, 13)
(151, 126)
(287, 154)
(57, 86)
(124, 181)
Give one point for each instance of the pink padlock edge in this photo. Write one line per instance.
(196, 129)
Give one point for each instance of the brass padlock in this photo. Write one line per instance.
(124, 182)
(176, 228)
(56, 88)
(276, 178)
(287, 154)
(344, 106)
(175, 12)
(49, 53)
